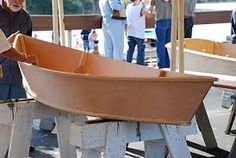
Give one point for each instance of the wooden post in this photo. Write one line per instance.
(173, 35)
(181, 34)
(61, 22)
(55, 21)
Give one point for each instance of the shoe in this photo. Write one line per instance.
(31, 149)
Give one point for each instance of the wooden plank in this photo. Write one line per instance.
(21, 132)
(5, 135)
(92, 21)
(205, 128)
(175, 141)
(63, 130)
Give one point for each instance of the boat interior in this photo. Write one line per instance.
(211, 47)
(64, 59)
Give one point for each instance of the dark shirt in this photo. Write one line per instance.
(11, 23)
(85, 34)
(233, 26)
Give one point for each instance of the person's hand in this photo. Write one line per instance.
(144, 2)
(32, 59)
(12, 37)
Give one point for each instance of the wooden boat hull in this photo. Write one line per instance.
(209, 56)
(102, 87)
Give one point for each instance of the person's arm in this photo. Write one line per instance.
(7, 51)
(145, 13)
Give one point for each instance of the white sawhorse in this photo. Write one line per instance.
(109, 139)
(20, 115)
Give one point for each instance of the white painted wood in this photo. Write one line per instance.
(63, 131)
(155, 148)
(190, 129)
(174, 35)
(5, 135)
(181, 34)
(61, 22)
(175, 141)
(55, 21)
(90, 136)
(21, 132)
(112, 137)
(115, 144)
(91, 153)
(6, 113)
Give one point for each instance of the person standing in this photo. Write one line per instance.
(163, 30)
(85, 37)
(13, 18)
(233, 26)
(93, 39)
(189, 17)
(136, 25)
(113, 26)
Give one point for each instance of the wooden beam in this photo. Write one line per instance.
(213, 17)
(74, 22)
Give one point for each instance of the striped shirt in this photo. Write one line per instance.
(190, 7)
(163, 9)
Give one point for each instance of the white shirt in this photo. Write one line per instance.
(135, 22)
(4, 44)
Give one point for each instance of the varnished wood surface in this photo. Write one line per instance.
(74, 22)
(84, 83)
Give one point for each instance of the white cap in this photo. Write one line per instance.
(4, 44)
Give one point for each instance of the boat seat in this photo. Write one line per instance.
(232, 116)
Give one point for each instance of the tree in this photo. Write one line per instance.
(44, 7)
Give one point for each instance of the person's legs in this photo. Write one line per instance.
(108, 46)
(130, 52)
(188, 26)
(163, 35)
(116, 31)
(141, 48)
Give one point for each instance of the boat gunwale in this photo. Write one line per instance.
(191, 78)
(206, 54)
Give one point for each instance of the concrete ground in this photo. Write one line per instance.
(46, 143)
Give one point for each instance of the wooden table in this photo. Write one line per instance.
(224, 82)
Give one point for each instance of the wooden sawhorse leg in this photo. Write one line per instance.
(232, 153)
(205, 127)
(231, 117)
(5, 135)
(24, 113)
(112, 137)
(21, 131)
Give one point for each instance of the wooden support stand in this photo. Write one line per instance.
(232, 116)
(20, 115)
(110, 138)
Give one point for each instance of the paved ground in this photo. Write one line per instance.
(46, 143)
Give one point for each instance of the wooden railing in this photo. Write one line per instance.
(74, 22)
